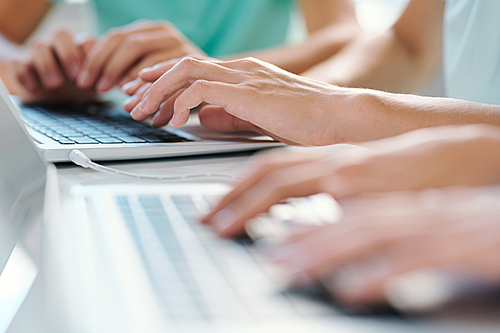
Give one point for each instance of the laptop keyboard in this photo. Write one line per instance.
(93, 124)
(197, 275)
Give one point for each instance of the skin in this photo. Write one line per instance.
(249, 94)
(53, 85)
(402, 59)
(117, 57)
(383, 239)
(428, 158)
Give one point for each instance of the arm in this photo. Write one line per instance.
(19, 18)
(401, 60)
(428, 158)
(252, 95)
(331, 24)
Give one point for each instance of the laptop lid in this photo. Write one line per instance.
(22, 177)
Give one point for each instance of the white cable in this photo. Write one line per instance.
(79, 158)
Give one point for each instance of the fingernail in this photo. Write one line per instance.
(223, 219)
(155, 118)
(130, 85)
(147, 69)
(172, 121)
(103, 84)
(142, 105)
(135, 112)
(130, 100)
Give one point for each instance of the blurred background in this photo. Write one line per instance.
(374, 16)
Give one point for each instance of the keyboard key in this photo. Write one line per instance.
(83, 140)
(92, 124)
(130, 139)
(109, 140)
(65, 141)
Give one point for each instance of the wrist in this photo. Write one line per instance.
(359, 115)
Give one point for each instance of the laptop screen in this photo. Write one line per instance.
(22, 177)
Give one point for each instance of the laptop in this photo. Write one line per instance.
(106, 132)
(133, 258)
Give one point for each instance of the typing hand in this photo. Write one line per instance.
(383, 240)
(275, 176)
(244, 95)
(118, 57)
(140, 85)
(427, 158)
(50, 72)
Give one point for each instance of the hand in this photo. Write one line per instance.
(434, 157)
(381, 240)
(246, 94)
(118, 57)
(275, 176)
(140, 85)
(50, 72)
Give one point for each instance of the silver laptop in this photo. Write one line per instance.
(106, 132)
(133, 258)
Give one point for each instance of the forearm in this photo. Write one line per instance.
(320, 46)
(364, 115)
(378, 62)
(401, 59)
(331, 24)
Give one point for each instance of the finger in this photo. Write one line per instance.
(332, 246)
(133, 73)
(69, 54)
(130, 88)
(132, 102)
(149, 62)
(96, 58)
(102, 50)
(266, 163)
(152, 74)
(295, 181)
(25, 75)
(370, 279)
(166, 111)
(355, 238)
(130, 50)
(182, 75)
(46, 66)
(86, 45)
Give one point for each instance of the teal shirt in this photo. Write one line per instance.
(472, 50)
(218, 27)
